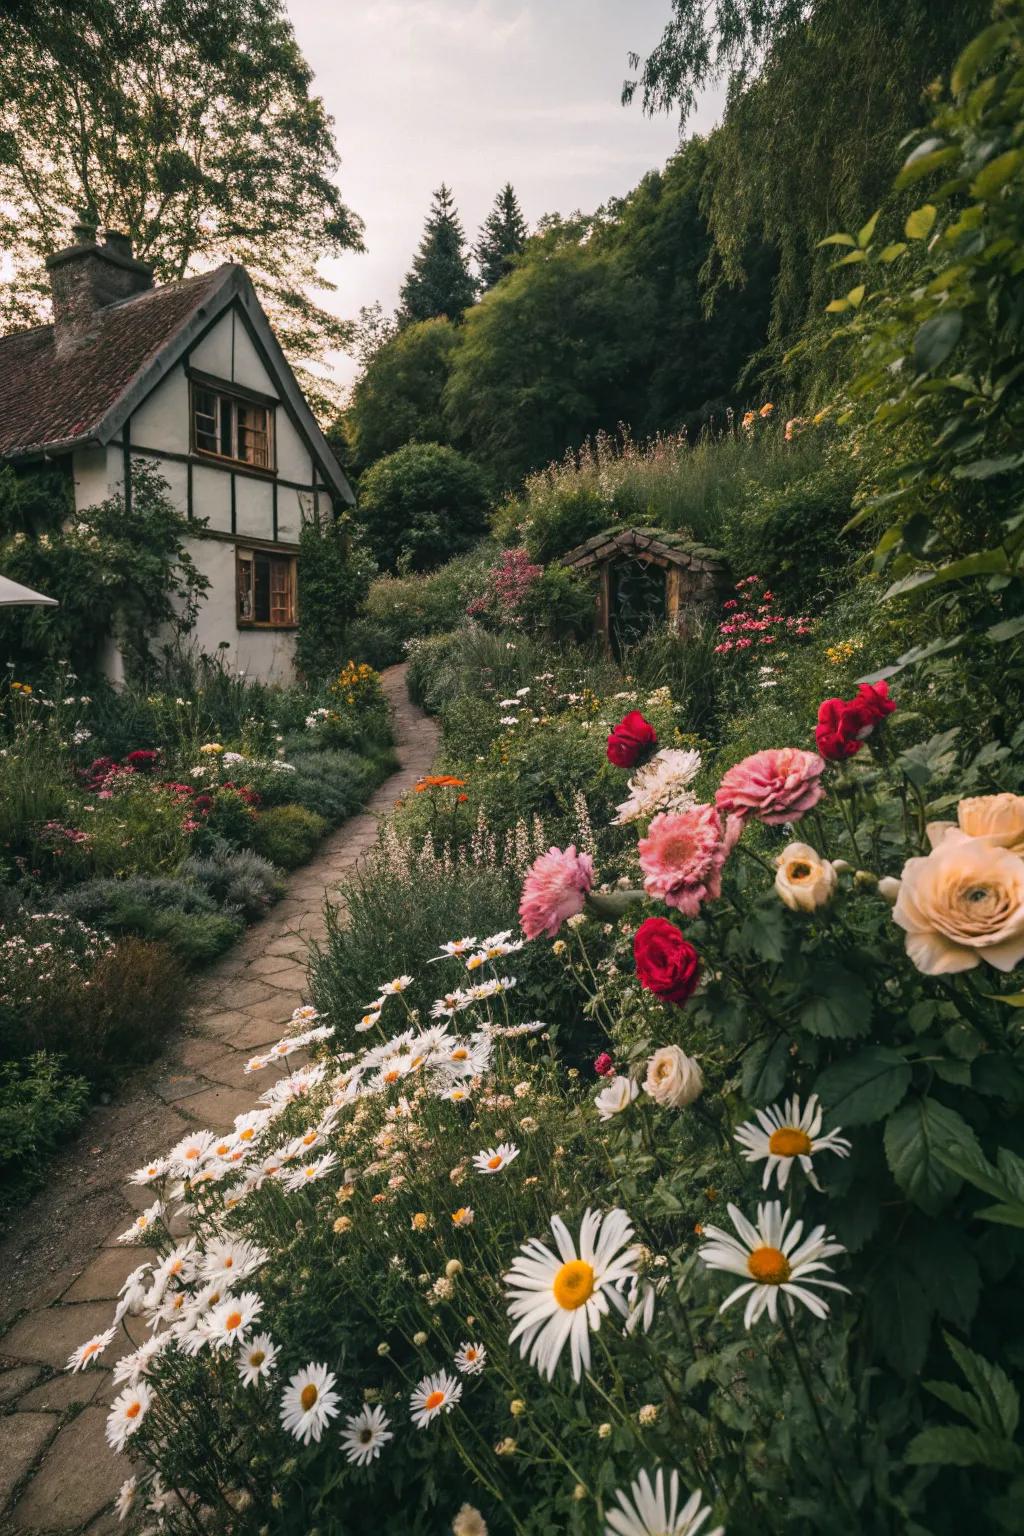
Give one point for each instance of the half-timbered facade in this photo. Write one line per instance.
(187, 376)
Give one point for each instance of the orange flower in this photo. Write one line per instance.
(439, 781)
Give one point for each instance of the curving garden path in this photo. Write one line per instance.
(61, 1268)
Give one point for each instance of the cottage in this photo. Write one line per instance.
(188, 376)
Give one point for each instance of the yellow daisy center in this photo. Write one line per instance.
(247, 1134)
(90, 1349)
(309, 1138)
(787, 1141)
(769, 1266)
(233, 1320)
(308, 1397)
(460, 1054)
(133, 1410)
(460, 1214)
(257, 1357)
(434, 1400)
(574, 1284)
(495, 1161)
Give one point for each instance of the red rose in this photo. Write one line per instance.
(632, 739)
(604, 1066)
(874, 699)
(844, 724)
(666, 963)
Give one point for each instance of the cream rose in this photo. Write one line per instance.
(617, 1096)
(962, 904)
(673, 1078)
(804, 880)
(997, 818)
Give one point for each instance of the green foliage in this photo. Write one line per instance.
(287, 834)
(116, 570)
(502, 238)
(397, 398)
(178, 912)
(236, 878)
(335, 571)
(335, 784)
(935, 329)
(439, 282)
(421, 505)
(559, 605)
(40, 1106)
(192, 130)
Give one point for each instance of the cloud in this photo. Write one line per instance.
(483, 25)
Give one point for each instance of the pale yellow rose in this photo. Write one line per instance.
(804, 881)
(997, 818)
(962, 904)
(673, 1078)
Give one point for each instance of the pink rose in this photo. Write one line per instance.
(776, 786)
(555, 888)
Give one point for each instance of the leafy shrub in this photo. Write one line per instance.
(133, 1004)
(180, 913)
(288, 834)
(374, 641)
(422, 504)
(335, 570)
(789, 534)
(336, 784)
(236, 878)
(40, 1105)
(400, 608)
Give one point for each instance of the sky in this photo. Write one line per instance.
(476, 93)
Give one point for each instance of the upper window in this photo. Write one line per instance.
(231, 427)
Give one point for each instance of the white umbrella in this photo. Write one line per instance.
(12, 592)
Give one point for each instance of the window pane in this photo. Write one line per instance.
(281, 610)
(253, 437)
(261, 589)
(205, 408)
(245, 594)
(226, 444)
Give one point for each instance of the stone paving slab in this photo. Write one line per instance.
(238, 1006)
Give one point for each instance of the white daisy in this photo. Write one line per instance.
(454, 947)
(617, 1095)
(365, 1435)
(783, 1136)
(143, 1223)
(494, 1159)
(127, 1412)
(563, 1296)
(133, 1366)
(367, 1021)
(306, 1014)
(772, 1259)
(457, 1094)
(154, 1170)
(89, 1352)
(394, 988)
(654, 1510)
(257, 1063)
(229, 1323)
(470, 1359)
(435, 1394)
(308, 1403)
(309, 1173)
(233, 1259)
(126, 1498)
(249, 1127)
(463, 1217)
(496, 938)
(257, 1359)
(188, 1154)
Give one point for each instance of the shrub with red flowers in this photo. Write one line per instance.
(507, 589)
(753, 621)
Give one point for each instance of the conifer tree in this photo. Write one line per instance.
(502, 237)
(439, 282)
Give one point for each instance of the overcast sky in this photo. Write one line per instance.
(476, 93)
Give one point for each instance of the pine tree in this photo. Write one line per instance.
(502, 237)
(440, 282)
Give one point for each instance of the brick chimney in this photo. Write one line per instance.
(86, 277)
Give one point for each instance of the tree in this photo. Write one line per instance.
(189, 127)
(439, 282)
(422, 505)
(397, 398)
(560, 350)
(502, 238)
(335, 571)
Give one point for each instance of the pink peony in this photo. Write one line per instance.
(555, 887)
(682, 856)
(780, 785)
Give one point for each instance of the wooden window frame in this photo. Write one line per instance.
(246, 556)
(234, 398)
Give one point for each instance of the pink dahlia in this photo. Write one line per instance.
(780, 785)
(555, 887)
(682, 856)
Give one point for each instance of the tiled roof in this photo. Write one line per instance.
(47, 400)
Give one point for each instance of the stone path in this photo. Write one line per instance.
(62, 1268)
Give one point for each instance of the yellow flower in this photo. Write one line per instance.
(420, 1222)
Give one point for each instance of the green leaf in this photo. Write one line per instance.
(979, 52)
(855, 295)
(765, 1068)
(926, 159)
(850, 259)
(865, 233)
(991, 1386)
(837, 307)
(1011, 999)
(919, 223)
(997, 173)
(837, 240)
(866, 1087)
(951, 1446)
(1009, 629)
(930, 759)
(911, 1136)
(889, 253)
(984, 469)
(987, 562)
(936, 339)
(840, 1007)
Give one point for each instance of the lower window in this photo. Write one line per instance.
(266, 588)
